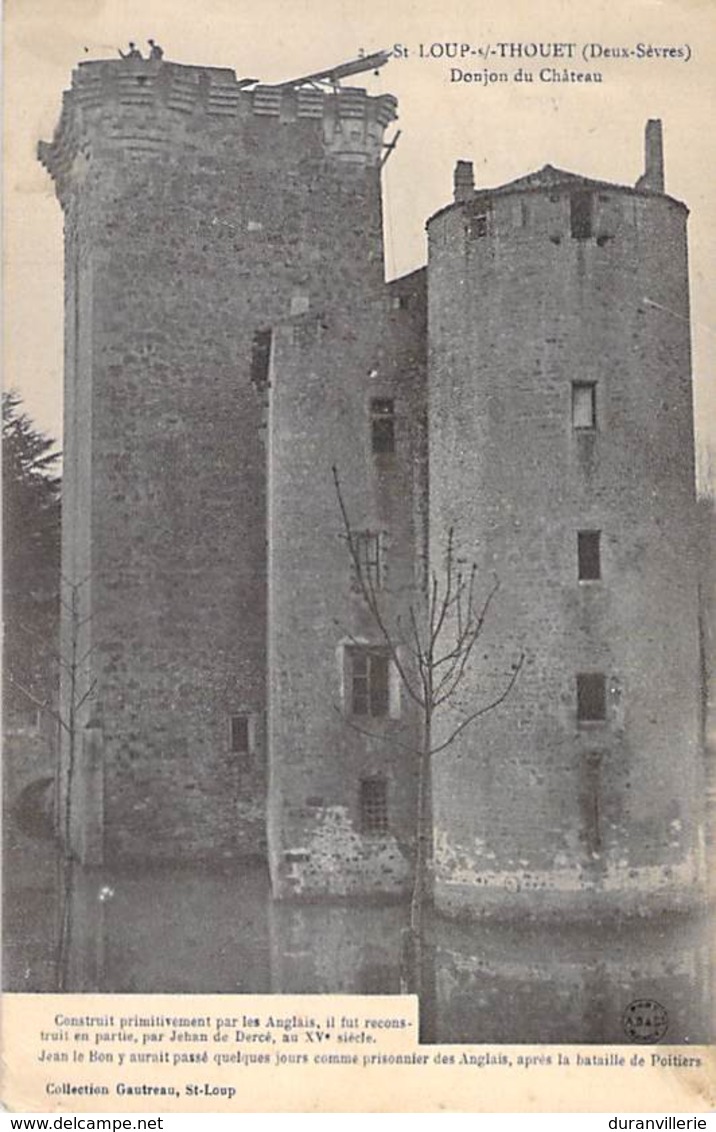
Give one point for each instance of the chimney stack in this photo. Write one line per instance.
(653, 175)
(463, 181)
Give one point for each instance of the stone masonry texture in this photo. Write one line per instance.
(228, 335)
(533, 807)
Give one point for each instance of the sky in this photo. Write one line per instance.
(506, 128)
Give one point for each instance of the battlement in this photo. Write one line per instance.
(144, 104)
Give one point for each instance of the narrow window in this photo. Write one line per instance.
(373, 805)
(370, 682)
(260, 357)
(588, 556)
(369, 546)
(382, 416)
(478, 225)
(360, 696)
(581, 215)
(379, 684)
(584, 404)
(240, 734)
(591, 697)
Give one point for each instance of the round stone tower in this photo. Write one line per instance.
(561, 451)
(197, 212)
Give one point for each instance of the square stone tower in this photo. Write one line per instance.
(197, 213)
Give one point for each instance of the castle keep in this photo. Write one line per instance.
(230, 340)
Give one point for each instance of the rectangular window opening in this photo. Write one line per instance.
(478, 225)
(584, 404)
(588, 556)
(382, 416)
(370, 682)
(373, 805)
(591, 697)
(260, 357)
(240, 734)
(370, 550)
(581, 215)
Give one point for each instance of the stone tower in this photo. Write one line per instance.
(561, 449)
(197, 214)
(347, 392)
(229, 341)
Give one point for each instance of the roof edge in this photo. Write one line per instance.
(542, 180)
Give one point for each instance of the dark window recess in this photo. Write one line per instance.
(580, 213)
(373, 805)
(369, 551)
(382, 418)
(478, 225)
(260, 357)
(370, 682)
(591, 697)
(240, 734)
(588, 556)
(584, 404)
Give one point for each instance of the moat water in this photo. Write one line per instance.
(189, 931)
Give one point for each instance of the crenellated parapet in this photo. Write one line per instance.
(147, 108)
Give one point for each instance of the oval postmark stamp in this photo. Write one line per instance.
(645, 1020)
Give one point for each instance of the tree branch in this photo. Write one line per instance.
(406, 643)
(483, 710)
(370, 597)
(90, 691)
(452, 678)
(44, 705)
(374, 734)
(445, 603)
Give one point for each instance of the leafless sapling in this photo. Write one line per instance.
(430, 643)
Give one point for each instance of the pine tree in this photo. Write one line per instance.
(31, 561)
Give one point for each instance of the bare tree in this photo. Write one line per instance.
(66, 710)
(431, 645)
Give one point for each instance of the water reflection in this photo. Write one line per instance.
(191, 931)
(336, 948)
(170, 931)
(513, 984)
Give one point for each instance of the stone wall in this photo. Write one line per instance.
(228, 337)
(326, 372)
(196, 213)
(535, 810)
